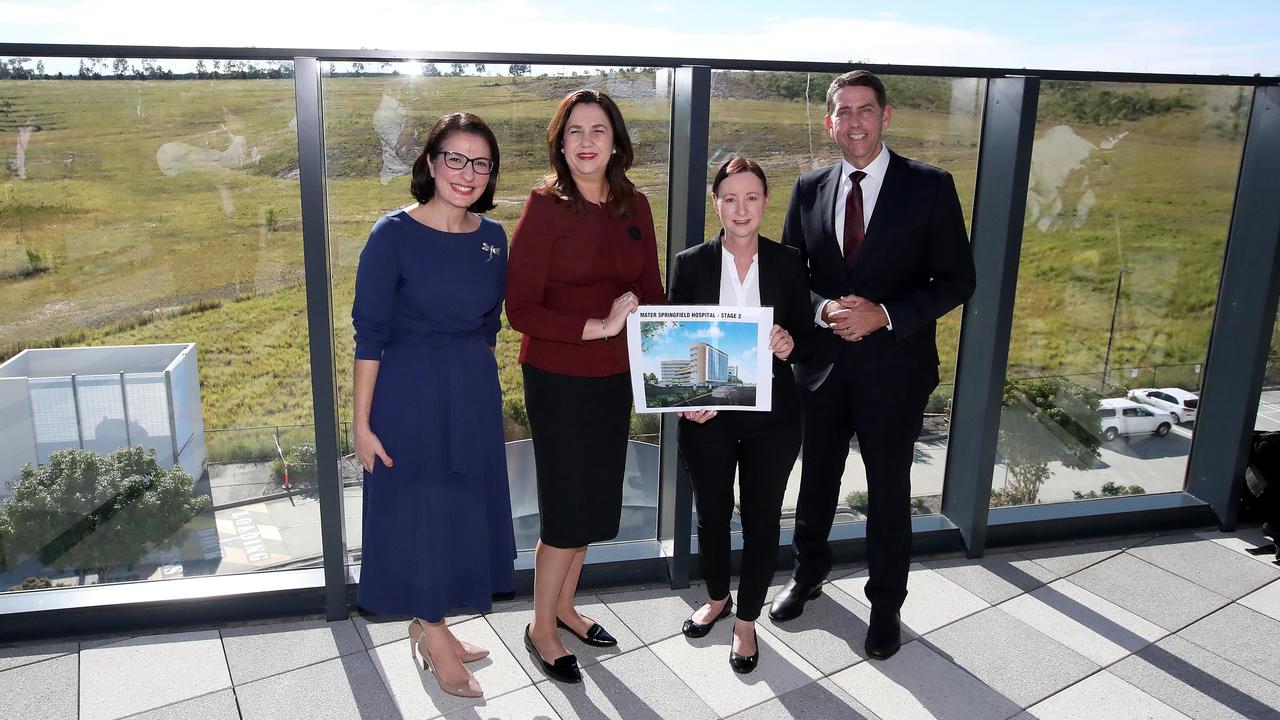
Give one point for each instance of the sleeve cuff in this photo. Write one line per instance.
(887, 317)
(817, 317)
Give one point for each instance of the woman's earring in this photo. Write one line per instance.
(615, 151)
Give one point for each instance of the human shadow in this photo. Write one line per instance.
(1176, 668)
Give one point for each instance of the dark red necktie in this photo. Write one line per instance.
(854, 232)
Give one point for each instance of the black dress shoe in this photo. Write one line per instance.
(790, 601)
(565, 668)
(884, 634)
(596, 635)
(696, 630)
(743, 664)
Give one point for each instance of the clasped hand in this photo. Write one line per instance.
(853, 317)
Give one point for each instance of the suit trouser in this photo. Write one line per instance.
(763, 450)
(886, 430)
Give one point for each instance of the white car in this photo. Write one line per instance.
(1121, 416)
(1179, 403)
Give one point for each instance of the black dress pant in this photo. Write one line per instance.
(763, 449)
(833, 414)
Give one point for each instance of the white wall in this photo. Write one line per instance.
(17, 438)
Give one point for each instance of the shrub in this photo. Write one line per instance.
(302, 467)
(88, 512)
(1110, 489)
(858, 501)
(32, 583)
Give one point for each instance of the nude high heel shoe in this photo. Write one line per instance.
(418, 640)
(470, 653)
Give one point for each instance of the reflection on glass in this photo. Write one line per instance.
(153, 349)
(376, 120)
(1127, 214)
(776, 118)
(1268, 417)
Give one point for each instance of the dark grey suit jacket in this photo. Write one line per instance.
(915, 260)
(696, 281)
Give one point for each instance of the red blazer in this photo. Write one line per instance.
(565, 268)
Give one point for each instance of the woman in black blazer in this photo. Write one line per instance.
(738, 267)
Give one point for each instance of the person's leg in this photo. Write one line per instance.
(827, 430)
(767, 457)
(887, 435)
(433, 641)
(551, 566)
(710, 454)
(565, 610)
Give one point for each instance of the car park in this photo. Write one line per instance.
(1181, 404)
(1121, 416)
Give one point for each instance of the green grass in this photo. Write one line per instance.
(132, 255)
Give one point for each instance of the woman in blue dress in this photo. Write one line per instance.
(428, 407)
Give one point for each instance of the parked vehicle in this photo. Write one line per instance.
(1179, 403)
(1121, 416)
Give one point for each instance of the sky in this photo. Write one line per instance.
(736, 339)
(1178, 36)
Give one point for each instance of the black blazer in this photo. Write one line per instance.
(915, 260)
(696, 281)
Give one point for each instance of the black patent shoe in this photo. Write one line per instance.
(884, 634)
(565, 669)
(596, 635)
(697, 630)
(743, 664)
(789, 603)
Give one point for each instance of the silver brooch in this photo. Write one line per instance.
(491, 249)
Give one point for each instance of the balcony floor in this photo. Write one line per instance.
(1170, 626)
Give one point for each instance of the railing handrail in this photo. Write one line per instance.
(173, 52)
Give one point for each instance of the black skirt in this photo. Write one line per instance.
(580, 428)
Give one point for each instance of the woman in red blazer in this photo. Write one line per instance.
(583, 257)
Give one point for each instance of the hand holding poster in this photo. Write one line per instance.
(700, 357)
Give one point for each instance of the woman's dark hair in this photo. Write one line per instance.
(738, 164)
(423, 186)
(621, 202)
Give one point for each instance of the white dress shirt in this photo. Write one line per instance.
(735, 291)
(871, 185)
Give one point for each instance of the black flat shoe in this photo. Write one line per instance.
(596, 635)
(565, 669)
(743, 664)
(789, 603)
(884, 635)
(696, 630)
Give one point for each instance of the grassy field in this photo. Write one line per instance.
(210, 251)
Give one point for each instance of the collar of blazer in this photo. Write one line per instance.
(887, 202)
(712, 262)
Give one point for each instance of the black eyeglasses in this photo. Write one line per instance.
(458, 161)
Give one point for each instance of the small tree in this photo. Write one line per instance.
(518, 69)
(430, 70)
(1043, 421)
(86, 512)
(458, 68)
(479, 68)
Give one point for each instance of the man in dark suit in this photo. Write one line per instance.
(884, 241)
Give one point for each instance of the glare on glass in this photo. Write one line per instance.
(458, 161)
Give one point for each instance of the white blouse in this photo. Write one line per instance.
(742, 293)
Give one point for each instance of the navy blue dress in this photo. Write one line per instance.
(437, 524)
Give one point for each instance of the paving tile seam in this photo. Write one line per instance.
(767, 700)
(37, 662)
(227, 659)
(1219, 655)
(167, 705)
(1197, 583)
(923, 640)
(1086, 567)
